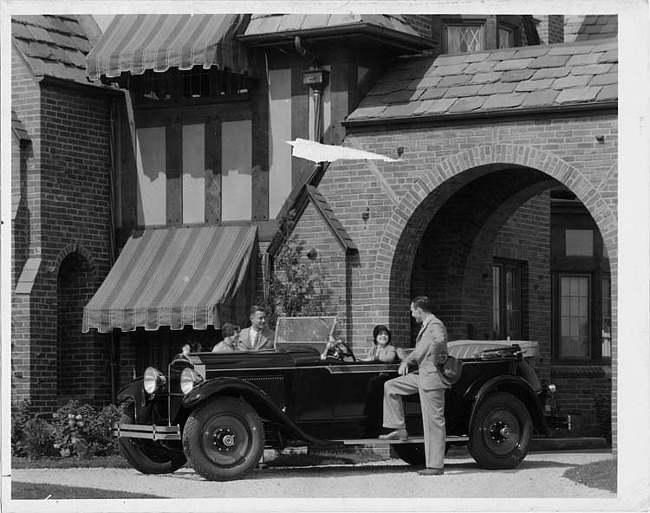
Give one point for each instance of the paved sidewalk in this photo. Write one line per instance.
(539, 476)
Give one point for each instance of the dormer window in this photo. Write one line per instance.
(506, 37)
(464, 38)
(468, 33)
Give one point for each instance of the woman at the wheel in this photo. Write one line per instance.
(383, 351)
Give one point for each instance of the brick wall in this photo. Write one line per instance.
(423, 24)
(330, 263)
(67, 196)
(551, 29)
(517, 160)
(25, 102)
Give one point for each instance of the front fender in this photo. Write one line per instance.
(256, 397)
(134, 392)
(518, 387)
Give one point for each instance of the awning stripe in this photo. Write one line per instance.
(136, 43)
(176, 277)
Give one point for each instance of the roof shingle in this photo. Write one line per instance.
(55, 45)
(519, 78)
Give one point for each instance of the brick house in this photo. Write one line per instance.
(502, 207)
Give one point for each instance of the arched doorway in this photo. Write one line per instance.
(511, 242)
(82, 363)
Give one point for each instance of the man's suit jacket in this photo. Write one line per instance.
(265, 340)
(431, 341)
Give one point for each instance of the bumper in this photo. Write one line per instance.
(148, 432)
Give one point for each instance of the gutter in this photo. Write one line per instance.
(386, 35)
(582, 108)
(71, 84)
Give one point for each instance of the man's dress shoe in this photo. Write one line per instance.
(431, 472)
(398, 434)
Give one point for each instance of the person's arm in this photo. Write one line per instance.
(388, 355)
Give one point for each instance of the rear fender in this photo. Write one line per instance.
(254, 396)
(518, 387)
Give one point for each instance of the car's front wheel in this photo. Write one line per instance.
(147, 456)
(501, 432)
(223, 439)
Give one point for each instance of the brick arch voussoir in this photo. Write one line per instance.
(507, 154)
(81, 250)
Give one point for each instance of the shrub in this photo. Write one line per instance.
(76, 430)
(297, 285)
(82, 431)
(38, 438)
(19, 418)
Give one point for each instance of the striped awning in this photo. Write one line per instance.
(176, 277)
(137, 42)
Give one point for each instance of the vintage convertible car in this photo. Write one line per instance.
(219, 411)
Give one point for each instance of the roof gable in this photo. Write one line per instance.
(55, 46)
(513, 79)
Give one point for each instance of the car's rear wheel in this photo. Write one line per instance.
(501, 432)
(413, 454)
(223, 439)
(147, 456)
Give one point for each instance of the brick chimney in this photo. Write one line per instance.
(550, 29)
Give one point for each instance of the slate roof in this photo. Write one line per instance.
(589, 27)
(500, 80)
(55, 46)
(281, 25)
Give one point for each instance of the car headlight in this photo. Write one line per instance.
(189, 379)
(153, 380)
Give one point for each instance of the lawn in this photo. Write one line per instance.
(600, 474)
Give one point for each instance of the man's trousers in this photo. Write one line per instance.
(432, 403)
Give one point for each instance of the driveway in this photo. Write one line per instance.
(539, 476)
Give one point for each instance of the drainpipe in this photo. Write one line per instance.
(114, 150)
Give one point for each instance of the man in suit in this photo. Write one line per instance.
(431, 342)
(257, 336)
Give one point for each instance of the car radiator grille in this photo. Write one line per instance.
(272, 385)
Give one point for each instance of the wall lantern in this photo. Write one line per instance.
(365, 215)
(315, 78)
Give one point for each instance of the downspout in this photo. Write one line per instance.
(112, 253)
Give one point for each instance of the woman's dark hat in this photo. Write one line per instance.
(377, 329)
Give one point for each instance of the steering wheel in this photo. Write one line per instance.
(342, 351)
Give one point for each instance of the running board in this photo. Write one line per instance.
(411, 440)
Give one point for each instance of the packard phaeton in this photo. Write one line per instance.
(219, 411)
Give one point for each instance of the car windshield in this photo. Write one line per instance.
(309, 331)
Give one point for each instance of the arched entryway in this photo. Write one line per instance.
(512, 242)
(82, 361)
(513, 176)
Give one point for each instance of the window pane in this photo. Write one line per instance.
(574, 317)
(464, 38)
(579, 243)
(496, 300)
(606, 343)
(193, 174)
(236, 170)
(506, 38)
(152, 176)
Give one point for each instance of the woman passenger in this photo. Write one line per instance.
(230, 332)
(383, 351)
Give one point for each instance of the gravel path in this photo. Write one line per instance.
(539, 476)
